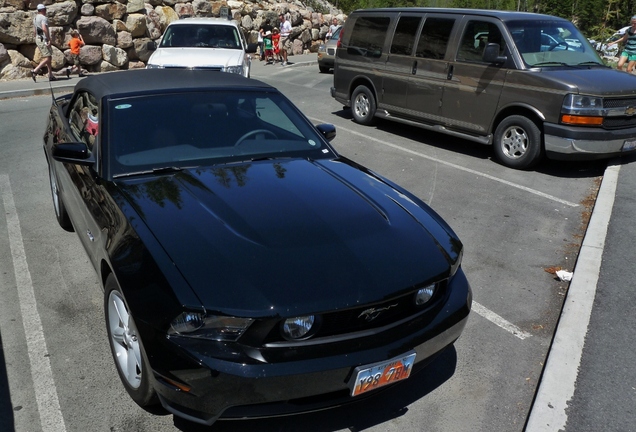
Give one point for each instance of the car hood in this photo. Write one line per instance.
(196, 57)
(595, 81)
(292, 237)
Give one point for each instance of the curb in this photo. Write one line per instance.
(558, 380)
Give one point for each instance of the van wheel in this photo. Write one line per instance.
(363, 105)
(518, 142)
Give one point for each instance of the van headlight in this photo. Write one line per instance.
(582, 110)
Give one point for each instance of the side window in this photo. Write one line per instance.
(434, 38)
(477, 35)
(367, 37)
(84, 118)
(404, 37)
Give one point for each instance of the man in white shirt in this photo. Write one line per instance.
(43, 41)
(285, 30)
(332, 28)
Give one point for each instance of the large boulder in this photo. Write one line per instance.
(115, 56)
(136, 25)
(16, 28)
(166, 16)
(110, 11)
(96, 30)
(61, 14)
(124, 39)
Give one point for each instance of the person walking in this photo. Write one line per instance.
(629, 51)
(285, 31)
(332, 28)
(43, 42)
(75, 44)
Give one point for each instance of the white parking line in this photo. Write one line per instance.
(45, 393)
(499, 321)
(459, 167)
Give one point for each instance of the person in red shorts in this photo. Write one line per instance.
(75, 43)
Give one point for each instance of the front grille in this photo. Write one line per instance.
(369, 316)
(619, 122)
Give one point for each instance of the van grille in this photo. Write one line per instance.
(619, 122)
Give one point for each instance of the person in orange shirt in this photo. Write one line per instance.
(75, 43)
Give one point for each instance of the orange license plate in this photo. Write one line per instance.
(371, 377)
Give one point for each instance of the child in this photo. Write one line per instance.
(75, 43)
(276, 43)
(269, 52)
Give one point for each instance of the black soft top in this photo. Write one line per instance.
(149, 81)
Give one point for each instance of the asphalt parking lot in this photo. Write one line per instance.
(517, 227)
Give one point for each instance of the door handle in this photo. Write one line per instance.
(449, 76)
(414, 67)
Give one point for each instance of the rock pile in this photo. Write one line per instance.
(119, 34)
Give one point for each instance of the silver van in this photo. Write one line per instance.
(528, 84)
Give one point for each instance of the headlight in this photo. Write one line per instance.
(235, 69)
(298, 328)
(579, 104)
(322, 48)
(423, 295)
(213, 327)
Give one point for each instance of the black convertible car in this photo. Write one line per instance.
(248, 269)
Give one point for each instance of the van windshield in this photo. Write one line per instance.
(552, 43)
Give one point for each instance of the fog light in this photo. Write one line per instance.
(298, 327)
(424, 294)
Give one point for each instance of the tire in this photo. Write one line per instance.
(518, 142)
(323, 69)
(126, 347)
(58, 204)
(363, 105)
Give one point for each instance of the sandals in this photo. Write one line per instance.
(33, 75)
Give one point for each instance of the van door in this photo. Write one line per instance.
(399, 64)
(429, 69)
(473, 87)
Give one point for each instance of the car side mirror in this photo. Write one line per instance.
(73, 153)
(327, 130)
(491, 54)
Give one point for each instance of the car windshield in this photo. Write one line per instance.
(552, 43)
(190, 129)
(201, 36)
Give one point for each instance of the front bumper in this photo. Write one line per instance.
(580, 143)
(225, 389)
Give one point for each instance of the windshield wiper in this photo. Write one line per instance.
(162, 170)
(592, 63)
(551, 63)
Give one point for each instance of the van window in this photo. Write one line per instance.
(367, 37)
(477, 35)
(404, 37)
(434, 38)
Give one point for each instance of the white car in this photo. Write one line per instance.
(203, 43)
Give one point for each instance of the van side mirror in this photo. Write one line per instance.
(491, 54)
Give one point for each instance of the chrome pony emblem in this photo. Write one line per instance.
(373, 313)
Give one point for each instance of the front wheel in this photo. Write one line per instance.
(518, 142)
(128, 352)
(363, 105)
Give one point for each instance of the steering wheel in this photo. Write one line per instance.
(559, 43)
(255, 132)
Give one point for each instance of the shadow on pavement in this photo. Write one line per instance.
(356, 416)
(6, 409)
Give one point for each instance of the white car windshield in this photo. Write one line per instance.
(201, 36)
